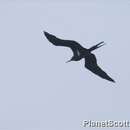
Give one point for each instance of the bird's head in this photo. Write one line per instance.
(72, 59)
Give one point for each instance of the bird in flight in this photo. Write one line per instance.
(80, 52)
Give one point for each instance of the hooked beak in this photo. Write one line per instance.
(68, 61)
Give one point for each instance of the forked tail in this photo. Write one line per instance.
(96, 46)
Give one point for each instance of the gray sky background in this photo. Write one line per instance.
(38, 90)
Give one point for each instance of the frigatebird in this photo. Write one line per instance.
(80, 52)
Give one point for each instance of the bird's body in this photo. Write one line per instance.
(80, 52)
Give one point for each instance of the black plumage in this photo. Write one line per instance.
(80, 52)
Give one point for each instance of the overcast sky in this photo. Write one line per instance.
(38, 90)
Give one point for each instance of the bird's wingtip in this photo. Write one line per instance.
(44, 32)
(113, 81)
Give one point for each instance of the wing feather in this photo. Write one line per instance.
(60, 42)
(91, 64)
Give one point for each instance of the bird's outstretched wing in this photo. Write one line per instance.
(91, 64)
(60, 42)
(73, 45)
